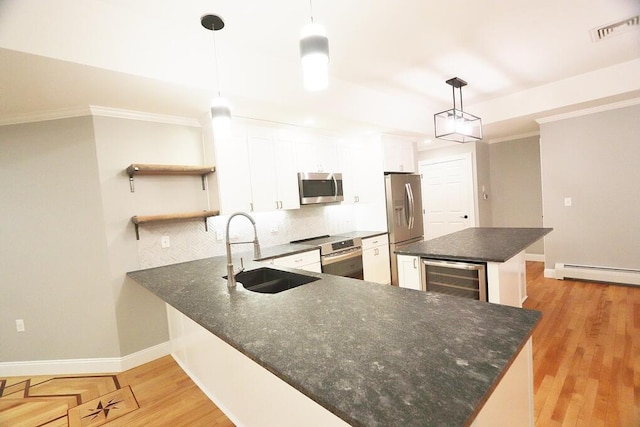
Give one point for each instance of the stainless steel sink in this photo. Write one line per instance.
(270, 281)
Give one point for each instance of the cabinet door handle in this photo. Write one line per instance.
(280, 204)
(250, 206)
(415, 263)
(376, 251)
(277, 205)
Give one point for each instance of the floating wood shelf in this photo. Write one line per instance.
(149, 169)
(145, 219)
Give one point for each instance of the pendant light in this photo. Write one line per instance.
(220, 110)
(314, 55)
(455, 124)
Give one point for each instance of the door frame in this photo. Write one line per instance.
(470, 169)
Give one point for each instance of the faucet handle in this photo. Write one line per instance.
(241, 267)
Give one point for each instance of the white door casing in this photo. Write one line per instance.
(447, 195)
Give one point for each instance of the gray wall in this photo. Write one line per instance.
(516, 187)
(593, 159)
(67, 239)
(54, 270)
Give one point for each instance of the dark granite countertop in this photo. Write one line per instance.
(362, 234)
(477, 244)
(292, 249)
(279, 251)
(374, 355)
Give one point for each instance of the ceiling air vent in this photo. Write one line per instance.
(615, 28)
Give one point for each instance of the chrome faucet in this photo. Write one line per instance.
(231, 275)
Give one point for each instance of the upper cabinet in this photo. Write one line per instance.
(316, 153)
(361, 169)
(399, 154)
(234, 179)
(274, 180)
(257, 171)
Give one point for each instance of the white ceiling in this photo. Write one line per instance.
(389, 59)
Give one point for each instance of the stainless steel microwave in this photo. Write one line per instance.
(317, 187)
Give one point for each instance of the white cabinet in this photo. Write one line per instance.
(274, 180)
(362, 173)
(409, 272)
(234, 179)
(399, 154)
(315, 153)
(375, 259)
(309, 260)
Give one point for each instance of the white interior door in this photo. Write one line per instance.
(447, 195)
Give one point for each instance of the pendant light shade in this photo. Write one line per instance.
(455, 124)
(314, 57)
(220, 110)
(220, 113)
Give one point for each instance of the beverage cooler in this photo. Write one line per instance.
(462, 279)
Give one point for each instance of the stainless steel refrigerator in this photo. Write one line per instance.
(404, 214)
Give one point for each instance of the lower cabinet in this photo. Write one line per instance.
(409, 272)
(309, 261)
(375, 259)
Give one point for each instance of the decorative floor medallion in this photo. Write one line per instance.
(86, 401)
(103, 409)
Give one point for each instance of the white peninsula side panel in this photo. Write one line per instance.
(507, 281)
(511, 403)
(247, 393)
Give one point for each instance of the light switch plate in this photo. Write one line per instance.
(567, 201)
(165, 242)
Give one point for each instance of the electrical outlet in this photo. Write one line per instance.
(219, 234)
(165, 242)
(19, 325)
(274, 228)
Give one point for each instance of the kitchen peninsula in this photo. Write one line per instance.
(340, 351)
(502, 249)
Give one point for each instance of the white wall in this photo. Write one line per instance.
(592, 159)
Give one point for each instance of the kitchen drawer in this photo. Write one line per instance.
(372, 242)
(298, 260)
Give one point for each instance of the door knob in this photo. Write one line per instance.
(464, 216)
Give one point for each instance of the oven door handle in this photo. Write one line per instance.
(332, 259)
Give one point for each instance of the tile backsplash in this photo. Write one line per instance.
(189, 240)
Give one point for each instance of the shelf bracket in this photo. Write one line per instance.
(137, 232)
(206, 226)
(133, 188)
(203, 181)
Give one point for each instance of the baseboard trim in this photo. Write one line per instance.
(534, 257)
(84, 366)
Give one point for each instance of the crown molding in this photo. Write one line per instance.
(94, 110)
(43, 116)
(587, 111)
(514, 137)
(143, 116)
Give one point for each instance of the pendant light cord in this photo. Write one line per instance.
(215, 58)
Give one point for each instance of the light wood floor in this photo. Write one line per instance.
(586, 353)
(164, 394)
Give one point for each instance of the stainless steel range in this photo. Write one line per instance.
(340, 256)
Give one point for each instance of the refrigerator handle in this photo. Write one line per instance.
(412, 205)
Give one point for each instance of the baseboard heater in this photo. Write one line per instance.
(599, 274)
